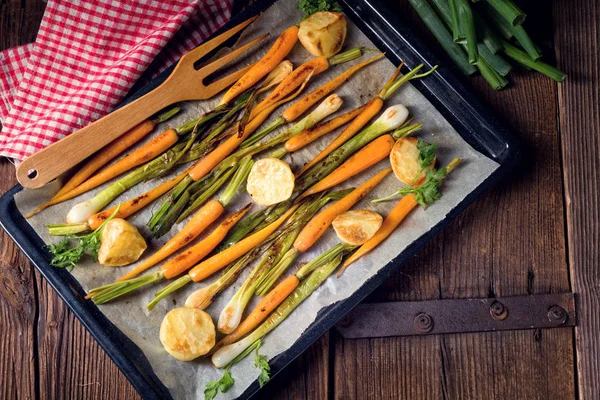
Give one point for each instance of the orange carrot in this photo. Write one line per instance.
(369, 155)
(137, 157)
(309, 135)
(369, 111)
(227, 256)
(213, 158)
(291, 82)
(313, 97)
(130, 207)
(196, 253)
(262, 310)
(282, 46)
(199, 222)
(391, 222)
(319, 224)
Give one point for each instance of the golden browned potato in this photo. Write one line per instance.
(323, 33)
(405, 161)
(357, 226)
(270, 181)
(121, 243)
(187, 333)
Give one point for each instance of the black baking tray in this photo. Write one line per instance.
(382, 24)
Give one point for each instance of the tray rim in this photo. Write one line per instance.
(122, 350)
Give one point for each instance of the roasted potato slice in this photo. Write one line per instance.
(323, 33)
(270, 181)
(187, 333)
(404, 158)
(121, 243)
(357, 226)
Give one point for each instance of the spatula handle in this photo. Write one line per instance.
(47, 164)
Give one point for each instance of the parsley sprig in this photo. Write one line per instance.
(310, 7)
(426, 153)
(65, 256)
(226, 382)
(429, 191)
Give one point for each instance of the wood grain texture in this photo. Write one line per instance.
(509, 242)
(579, 100)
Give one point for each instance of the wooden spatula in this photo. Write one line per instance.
(185, 83)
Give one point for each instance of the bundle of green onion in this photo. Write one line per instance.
(477, 36)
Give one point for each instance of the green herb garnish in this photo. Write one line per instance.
(310, 7)
(426, 153)
(262, 364)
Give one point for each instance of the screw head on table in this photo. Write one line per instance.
(498, 311)
(423, 323)
(557, 315)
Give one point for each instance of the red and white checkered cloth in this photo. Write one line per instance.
(86, 57)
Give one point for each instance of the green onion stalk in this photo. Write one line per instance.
(231, 314)
(313, 276)
(194, 195)
(516, 31)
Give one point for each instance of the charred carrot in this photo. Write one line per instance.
(319, 224)
(227, 256)
(369, 155)
(367, 113)
(309, 100)
(309, 135)
(280, 49)
(171, 268)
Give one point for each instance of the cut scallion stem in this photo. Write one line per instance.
(518, 32)
(523, 58)
(509, 11)
(467, 24)
(495, 80)
(494, 60)
(457, 35)
(441, 33)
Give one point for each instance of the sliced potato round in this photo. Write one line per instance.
(270, 181)
(357, 226)
(121, 243)
(187, 333)
(405, 161)
(323, 33)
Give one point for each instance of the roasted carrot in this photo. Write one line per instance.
(139, 156)
(309, 100)
(319, 224)
(291, 82)
(229, 255)
(130, 207)
(309, 135)
(369, 155)
(397, 215)
(199, 222)
(261, 311)
(390, 223)
(369, 111)
(280, 49)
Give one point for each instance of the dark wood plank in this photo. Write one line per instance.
(18, 297)
(18, 314)
(577, 37)
(510, 242)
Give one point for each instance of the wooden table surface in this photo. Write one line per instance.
(538, 232)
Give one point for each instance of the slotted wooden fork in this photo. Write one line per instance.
(184, 83)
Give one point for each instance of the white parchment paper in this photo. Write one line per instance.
(187, 380)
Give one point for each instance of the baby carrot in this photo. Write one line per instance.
(199, 222)
(319, 224)
(280, 49)
(369, 155)
(309, 135)
(368, 112)
(309, 100)
(229, 255)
